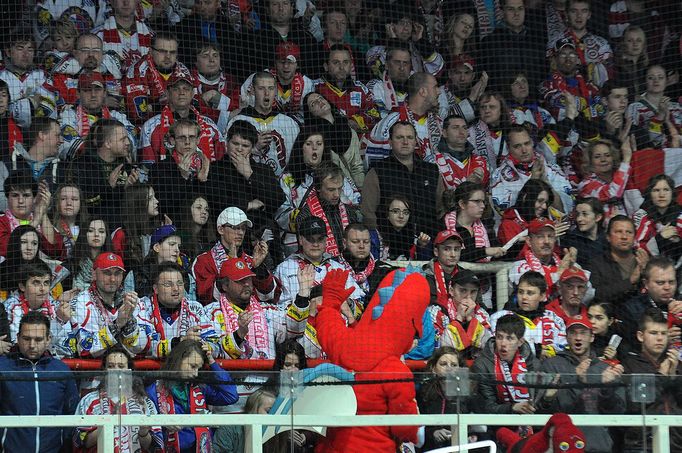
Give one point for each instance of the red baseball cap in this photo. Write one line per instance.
(180, 74)
(108, 260)
(235, 269)
(573, 272)
(89, 79)
(582, 321)
(447, 234)
(536, 225)
(288, 50)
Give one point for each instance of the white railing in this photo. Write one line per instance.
(499, 268)
(254, 424)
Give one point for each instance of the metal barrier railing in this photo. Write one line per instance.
(659, 424)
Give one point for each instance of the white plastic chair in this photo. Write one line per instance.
(466, 447)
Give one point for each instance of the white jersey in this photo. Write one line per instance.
(22, 87)
(283, 98)
(60, 331)
(287, 274)
(156, 334)
(386, 97)
(507, 181)
(284, 130)
(85, 14)
(548, 330)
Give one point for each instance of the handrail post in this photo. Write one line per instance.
(502, 287)
(254, 438)
(105, 440)
(661, 438)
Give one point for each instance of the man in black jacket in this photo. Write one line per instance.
(238, 180)
(401, 173)
(660, 284)
(513, 46)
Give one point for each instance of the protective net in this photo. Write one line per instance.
(190, 171)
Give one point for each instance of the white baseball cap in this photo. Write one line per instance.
(233, 216)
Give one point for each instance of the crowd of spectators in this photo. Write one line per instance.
(179, 176)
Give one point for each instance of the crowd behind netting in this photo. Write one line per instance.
(180, 175)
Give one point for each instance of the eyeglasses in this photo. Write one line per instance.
(165, 52)
(397, 211)
(477, 201)
(90, 50)
(178, 284)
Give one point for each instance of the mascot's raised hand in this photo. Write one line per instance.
(334, 291)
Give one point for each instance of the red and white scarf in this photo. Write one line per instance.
(509, 393)
(204, 140)
(535, 265)
(132, 47)
(391, 96)
(197, 405)
(157, 319)
(122, 442)
(46, 308)
(258, 335)
(481, 238)
(449, 179)
(361, 277)
(443, 296)
(297, 87)
(83, 119)
(316, 210)
(219, 255)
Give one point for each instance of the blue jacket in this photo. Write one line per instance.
(54, 394)
(215, 395)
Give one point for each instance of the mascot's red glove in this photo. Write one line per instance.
(558, 435)
(334, 291)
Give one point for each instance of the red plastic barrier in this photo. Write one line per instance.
(234, 365)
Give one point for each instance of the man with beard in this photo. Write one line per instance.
(390, 91)
(76, 120)
(88, 56)
(276, 131)
(324, 201)
(616, 273)
(292, 85)
(422, 92)
(579, 364)
(154, 140)
(103, 316)
(30, 89)
(145, 83)
(539, 256)
(660, 284)
(351, 97)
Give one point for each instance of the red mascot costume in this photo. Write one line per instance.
(372, 349)
(559, 435)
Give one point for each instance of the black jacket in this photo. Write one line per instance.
(629, 314)
(227, 187)
(586, 247)
(172, 190)
(484, 369)
(609, 284)
(418, 186)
